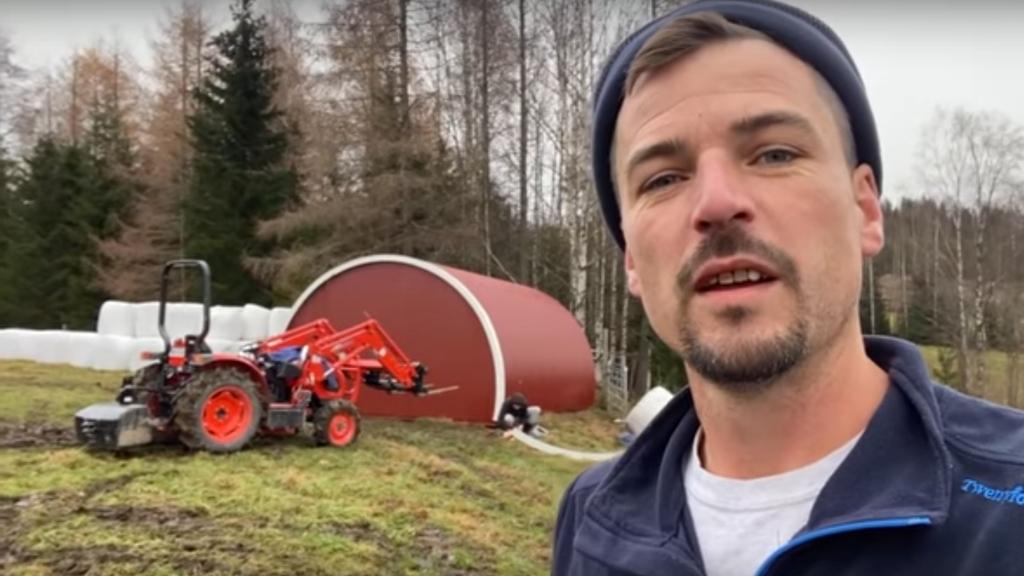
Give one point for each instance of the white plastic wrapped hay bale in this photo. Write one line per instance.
(647, 408)
(226, 323)
(116, 318)
(34, 345)
(183, 318)
(12, 344)
(140, 345)
(278, 321)
(52, 347)
(7, 343)
(81, 346)
(145, 318)
(112, 352)
(218, 346)
(180, 318)
(256, 319)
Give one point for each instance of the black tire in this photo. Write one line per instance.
(148, 376)
(141, 382)
(219, 411)
(336, 423)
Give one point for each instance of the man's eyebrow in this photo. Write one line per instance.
(672, 147)
(753, 124)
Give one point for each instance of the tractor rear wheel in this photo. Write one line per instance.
(219, 410)
(336, 423)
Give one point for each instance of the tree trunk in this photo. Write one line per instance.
(115, 89)
(904, 296)
(485, 133)
(523, 134)
(600, 302)
(980, 302)
(184, 175)
(403, 78)
(1014, 379)
(935, 266)
(538, 217)
(871, 294)
(73, 110)
(640, 375)
(963, 347)
(623, 339)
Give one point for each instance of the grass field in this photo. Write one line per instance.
(425, 497)
(997, 386)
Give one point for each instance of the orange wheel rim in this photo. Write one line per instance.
(227, 414)
(341, 429)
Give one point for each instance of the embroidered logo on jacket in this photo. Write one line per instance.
(1014, 496)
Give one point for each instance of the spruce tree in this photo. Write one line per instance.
(67, 201)
(51, 259)
(8, 236)
(239, 173)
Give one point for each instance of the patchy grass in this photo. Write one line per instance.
(997, 382)
(425, 497)
(582, 430)
(995, 360)
(45, 393)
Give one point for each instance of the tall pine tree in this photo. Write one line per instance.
(52, 261)
(239, 174)
(8, 237)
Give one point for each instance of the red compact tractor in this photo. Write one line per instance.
(219, 402)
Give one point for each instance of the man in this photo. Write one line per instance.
(516, 412)
(737, 164)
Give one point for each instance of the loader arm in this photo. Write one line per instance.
(367, 346)
(304, 335)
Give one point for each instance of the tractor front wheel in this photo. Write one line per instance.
(219, 411)
(336, 423)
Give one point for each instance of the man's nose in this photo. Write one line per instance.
(721, 199)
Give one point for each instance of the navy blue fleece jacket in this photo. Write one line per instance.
(933, 487)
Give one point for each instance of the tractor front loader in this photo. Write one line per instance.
(220, 402)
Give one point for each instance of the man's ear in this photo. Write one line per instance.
(869, 205)
(632, 278)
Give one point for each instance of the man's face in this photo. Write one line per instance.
(745, 227)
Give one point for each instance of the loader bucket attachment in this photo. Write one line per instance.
(112, 426)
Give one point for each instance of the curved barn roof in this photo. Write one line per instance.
(487, 336)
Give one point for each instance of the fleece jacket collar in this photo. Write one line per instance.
(900, 468)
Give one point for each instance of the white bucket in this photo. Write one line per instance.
(647, 408)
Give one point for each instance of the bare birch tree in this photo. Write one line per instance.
(971, 160)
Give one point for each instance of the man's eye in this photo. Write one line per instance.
(776, 156)
(660, 181)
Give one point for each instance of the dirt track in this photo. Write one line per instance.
(34, 434)
(19, 515)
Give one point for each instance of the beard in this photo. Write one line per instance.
(746, 364)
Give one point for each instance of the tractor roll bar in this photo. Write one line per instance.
(168, 267)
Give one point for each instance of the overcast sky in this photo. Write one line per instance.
(914, 55)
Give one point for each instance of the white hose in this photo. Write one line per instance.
(558, 451)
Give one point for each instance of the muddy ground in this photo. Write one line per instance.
(24, 435)
(193, 540)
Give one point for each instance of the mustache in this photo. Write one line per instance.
(730, 241)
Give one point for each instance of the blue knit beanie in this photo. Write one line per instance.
(807, 37)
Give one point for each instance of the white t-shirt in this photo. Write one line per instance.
(739, 523)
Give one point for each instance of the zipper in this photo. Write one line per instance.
(839, 529)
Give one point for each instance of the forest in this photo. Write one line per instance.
(455, 131)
